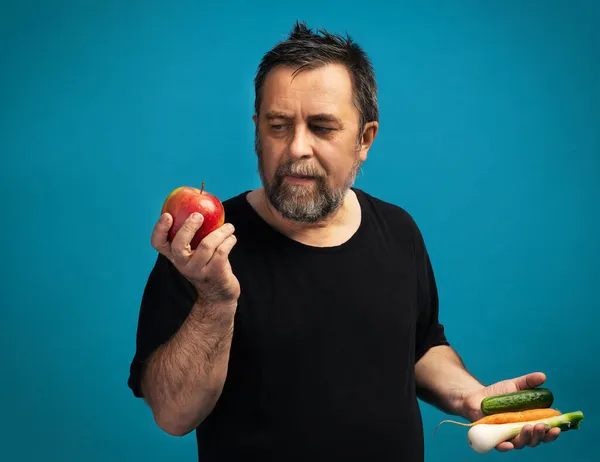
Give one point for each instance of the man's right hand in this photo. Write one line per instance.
(207, 267)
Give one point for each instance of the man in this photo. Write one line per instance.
(307, 326)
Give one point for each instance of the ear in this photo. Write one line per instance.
(368, 136)
(255, 118)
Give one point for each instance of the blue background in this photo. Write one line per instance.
(490, 138)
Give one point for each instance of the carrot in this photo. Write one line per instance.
(509, 417)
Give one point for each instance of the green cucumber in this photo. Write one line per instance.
(534, 398)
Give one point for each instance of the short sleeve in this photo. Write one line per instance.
(166, 302)
(429, 331)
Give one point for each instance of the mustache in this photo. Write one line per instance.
(299, 170)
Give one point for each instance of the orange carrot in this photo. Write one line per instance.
(509, 417)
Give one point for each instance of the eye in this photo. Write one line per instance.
(322, 130)
(277, 127)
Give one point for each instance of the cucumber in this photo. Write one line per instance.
(534, 398)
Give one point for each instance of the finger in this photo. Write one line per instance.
(523, 438)
(505, 446)
(532, 380)
(221, 254)
(551, 435)
(160, 233)
(180, 247)
(207, 247)
(539, 431)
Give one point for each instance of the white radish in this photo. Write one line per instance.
(485, 437)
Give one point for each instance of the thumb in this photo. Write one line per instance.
(523, 382)
(532, 380)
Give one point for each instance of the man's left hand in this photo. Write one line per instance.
(529, 436)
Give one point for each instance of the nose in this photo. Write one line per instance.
(300, 144)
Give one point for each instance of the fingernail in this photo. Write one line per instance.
(195, 217)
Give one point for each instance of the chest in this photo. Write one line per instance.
(296, 307)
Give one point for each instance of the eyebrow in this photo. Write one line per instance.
(278, 115)
(325, 118)
(322, 117)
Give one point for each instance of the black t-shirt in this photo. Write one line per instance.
(325, 341)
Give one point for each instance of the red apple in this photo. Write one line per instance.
(184, 201)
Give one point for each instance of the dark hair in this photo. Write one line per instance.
(305, 49)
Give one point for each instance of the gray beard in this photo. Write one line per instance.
(300, 203)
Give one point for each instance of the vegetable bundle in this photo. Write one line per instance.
(506, 415)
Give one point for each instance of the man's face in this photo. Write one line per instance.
(308, 142)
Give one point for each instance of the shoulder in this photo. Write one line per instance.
(235, 203)
(391, 214)
(236, 208)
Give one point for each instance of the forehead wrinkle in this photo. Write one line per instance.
(307, 95)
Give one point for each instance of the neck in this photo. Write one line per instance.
(333, 230)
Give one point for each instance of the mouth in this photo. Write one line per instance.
(300, 179)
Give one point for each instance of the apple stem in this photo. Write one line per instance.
(202, 190)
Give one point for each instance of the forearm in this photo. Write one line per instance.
(184, 378)
(443, 380)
